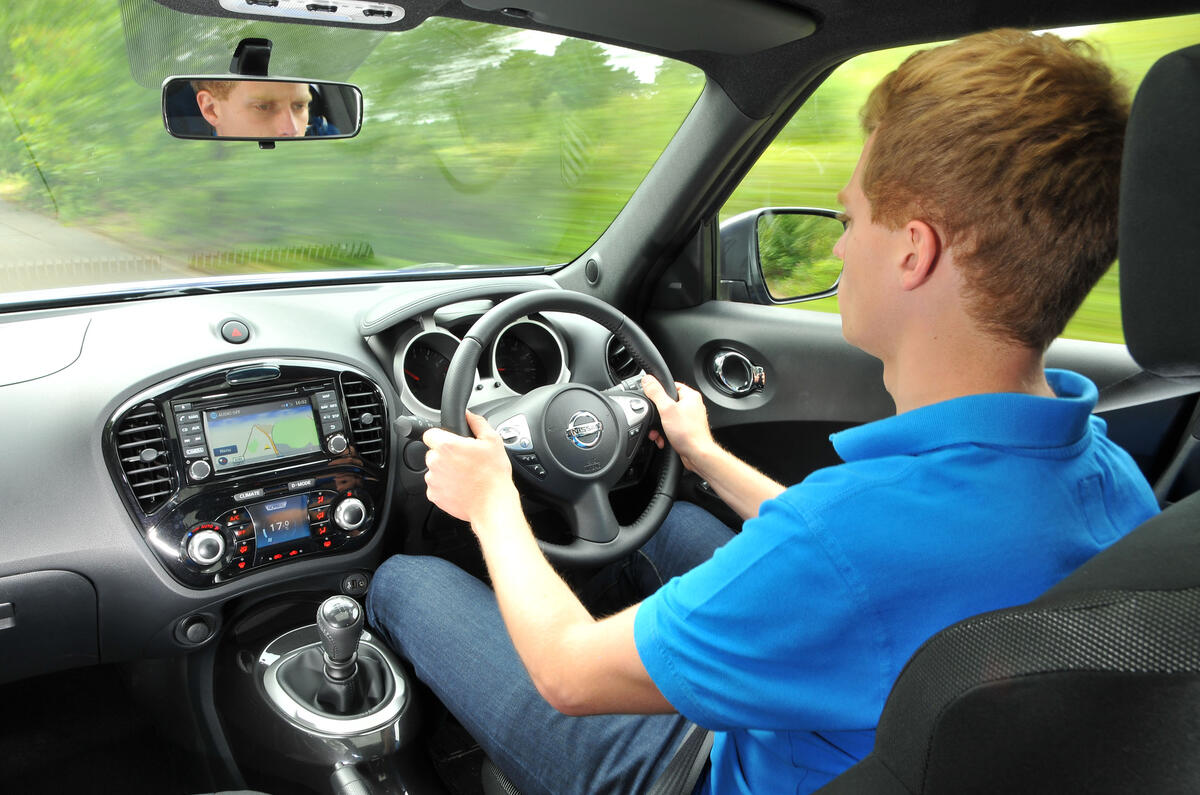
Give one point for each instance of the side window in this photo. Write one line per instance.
(814, 156)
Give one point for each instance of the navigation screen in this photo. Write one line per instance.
(280, 521)
(260, 432)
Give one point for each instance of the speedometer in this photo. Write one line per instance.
(527, 355)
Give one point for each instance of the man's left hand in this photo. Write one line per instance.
(469, 478)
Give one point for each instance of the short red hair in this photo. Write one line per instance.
(1009, 144)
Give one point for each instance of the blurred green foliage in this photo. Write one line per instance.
(814, 156)
(481, 145)
(796, 253)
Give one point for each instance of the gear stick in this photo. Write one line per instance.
(340, 625)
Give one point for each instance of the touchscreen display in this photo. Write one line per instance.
(260, 432)
(279, 521)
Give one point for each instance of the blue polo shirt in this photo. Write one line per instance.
(789, 639)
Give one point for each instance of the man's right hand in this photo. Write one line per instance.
(685, 422)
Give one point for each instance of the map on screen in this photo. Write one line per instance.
(248, 434)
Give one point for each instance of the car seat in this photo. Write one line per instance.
(1095, 686)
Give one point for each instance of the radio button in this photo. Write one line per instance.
(195, 452)
(187, 419)
(332, 427)
(191, 441)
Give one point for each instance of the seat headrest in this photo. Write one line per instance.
(1160, 218)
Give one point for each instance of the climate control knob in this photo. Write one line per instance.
(206, 547)
(350, 514)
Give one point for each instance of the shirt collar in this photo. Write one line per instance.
(1001, 419)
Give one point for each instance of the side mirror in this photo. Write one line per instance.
(232, 107)
(780, 255)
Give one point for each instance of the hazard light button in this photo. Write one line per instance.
(235, 331)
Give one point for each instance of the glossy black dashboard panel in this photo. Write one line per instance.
(254, 464)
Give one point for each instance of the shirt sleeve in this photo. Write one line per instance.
(771, 633)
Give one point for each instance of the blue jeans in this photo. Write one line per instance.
(447, 624)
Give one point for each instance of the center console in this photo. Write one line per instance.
(234, 469)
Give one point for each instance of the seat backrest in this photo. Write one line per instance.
(1095, 686)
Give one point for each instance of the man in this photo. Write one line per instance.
(254, 108)
(982, 210)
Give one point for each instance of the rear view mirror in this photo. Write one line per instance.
(231, 107)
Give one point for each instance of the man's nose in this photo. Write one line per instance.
(839, 248)
(288, 127)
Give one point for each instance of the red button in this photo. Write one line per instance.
(293, 552)
(277, 556)
(320, 500)
(243, 549)
(319, 516)
(328, 543)
(323, 529)
(241, 564)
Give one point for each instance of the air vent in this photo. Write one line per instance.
(368, 421)
(142, 449)
(620, 361)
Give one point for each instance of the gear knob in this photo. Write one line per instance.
(340, 625)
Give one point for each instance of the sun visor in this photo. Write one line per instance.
(162, 42)
(720, 26)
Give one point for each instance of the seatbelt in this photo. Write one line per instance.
(685, 767)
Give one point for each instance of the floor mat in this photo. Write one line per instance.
(80, 732)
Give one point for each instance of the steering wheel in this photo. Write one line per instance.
(569, 442)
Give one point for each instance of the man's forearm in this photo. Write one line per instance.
(579, 665)
(741, 486)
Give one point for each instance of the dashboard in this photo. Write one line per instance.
(160, 467)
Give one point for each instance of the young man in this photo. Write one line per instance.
(254, 108)
(982, 210)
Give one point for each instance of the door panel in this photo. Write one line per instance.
(816, 384)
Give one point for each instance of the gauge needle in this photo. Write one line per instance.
(411, 374)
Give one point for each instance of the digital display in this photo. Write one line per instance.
(260, 432)
(280, 521)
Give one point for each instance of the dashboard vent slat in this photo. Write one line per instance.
(620, 361)
(367, 418)
(144, 455)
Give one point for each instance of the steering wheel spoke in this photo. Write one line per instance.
(591, 515)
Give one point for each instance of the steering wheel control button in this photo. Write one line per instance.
(199, 469)
(206, 546)
(235, 331)
(514, 433)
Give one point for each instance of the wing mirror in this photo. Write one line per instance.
(780, 255)
(233, 107)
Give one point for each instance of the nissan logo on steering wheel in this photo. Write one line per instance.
(584, 430)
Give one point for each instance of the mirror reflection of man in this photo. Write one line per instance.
(254, 108)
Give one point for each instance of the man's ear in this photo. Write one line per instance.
(923, 247)
(208, 106)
